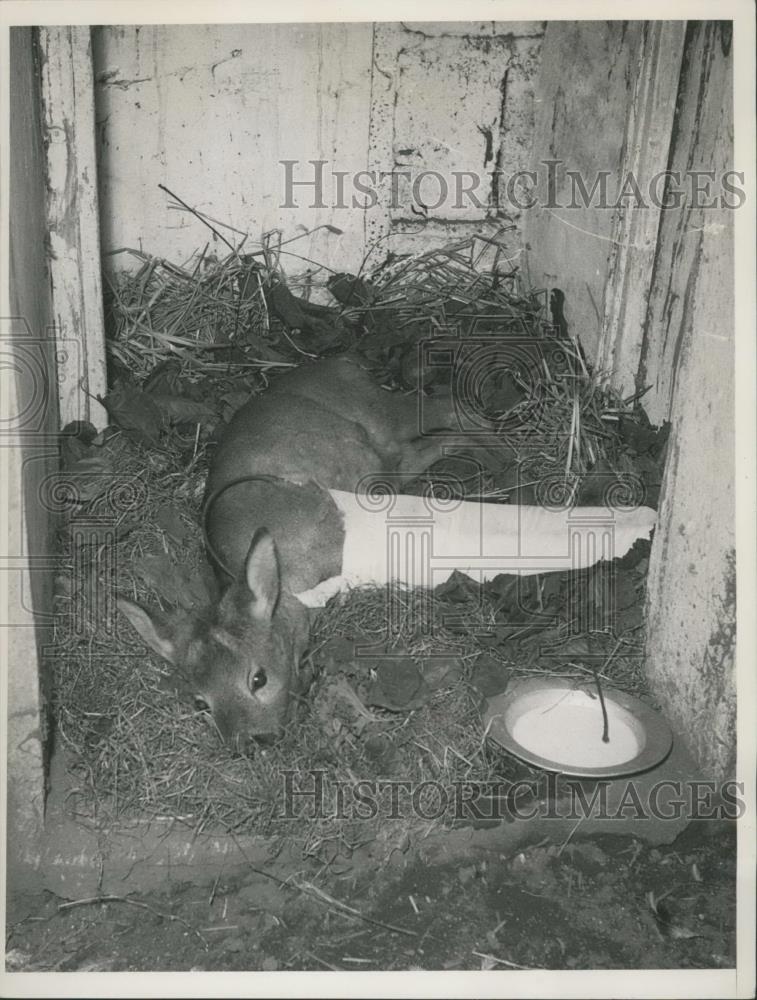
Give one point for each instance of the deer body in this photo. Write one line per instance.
(317, 436)
(322, 426)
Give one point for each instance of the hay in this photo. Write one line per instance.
(213, 317)
(163, 312)
(135, 747)
(138, 750)
(567, 426)
(452, 282)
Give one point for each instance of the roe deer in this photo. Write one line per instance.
(321, 426)
(284, 514)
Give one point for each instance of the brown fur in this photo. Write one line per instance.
(322, 426)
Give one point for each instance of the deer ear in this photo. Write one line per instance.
(262, 575)
(158, 635)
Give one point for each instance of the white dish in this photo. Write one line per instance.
(558, 725)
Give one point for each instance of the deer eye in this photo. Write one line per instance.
(258, 679)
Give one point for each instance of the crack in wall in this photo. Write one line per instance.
(494, 202)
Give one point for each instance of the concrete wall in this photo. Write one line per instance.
(583, 100)
(211, 110)
(28, 438)
(455, 98)
(650, 294)
(688, 358)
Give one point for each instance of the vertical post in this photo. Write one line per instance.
(68, 125)
(649, 128)
(691, 588)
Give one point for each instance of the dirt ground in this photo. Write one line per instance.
(602, 903)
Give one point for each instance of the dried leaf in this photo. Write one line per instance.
(489, 676)
(164, 380)
(286, 306)
(134, 411)
(441, 671)
(458, 588)
(235, 398)
(179, 409)
(75, 441)
(337, 654)
(349, 290)
(167, 518)
(399, 686)
(639, 438)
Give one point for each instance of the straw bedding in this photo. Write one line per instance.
(186, 346)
